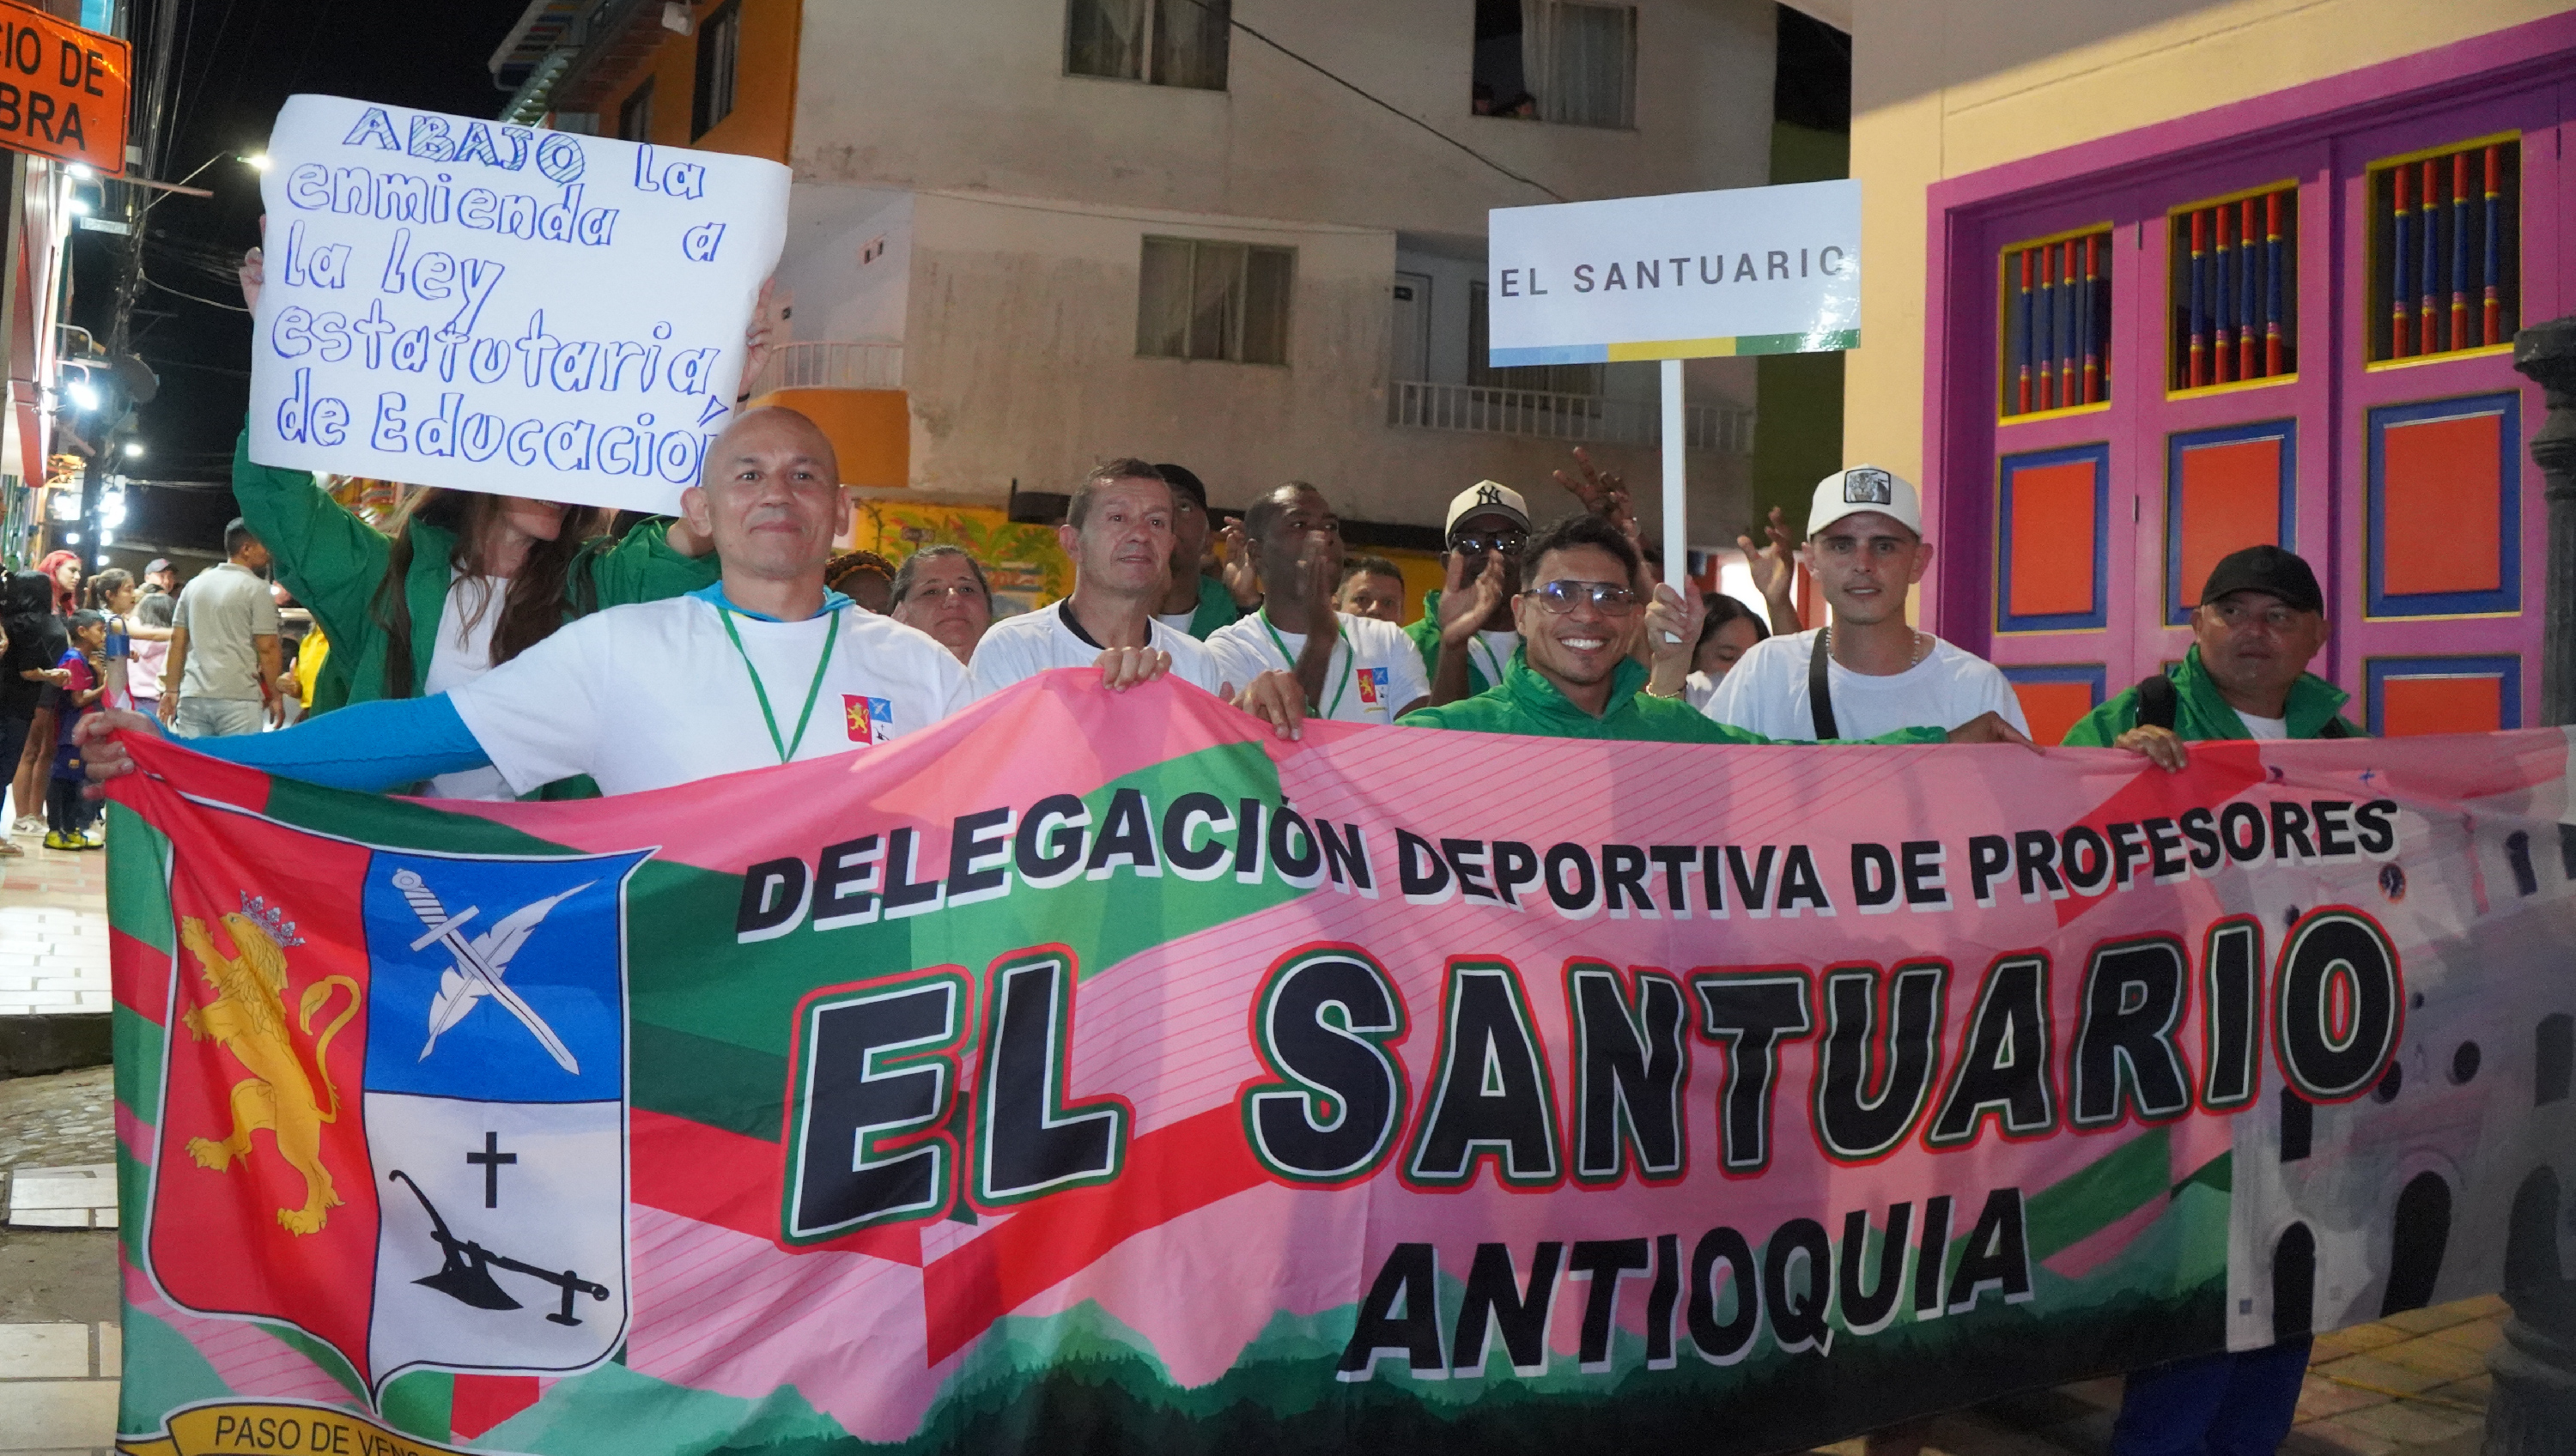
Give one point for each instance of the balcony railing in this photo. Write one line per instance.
(860, 364)
(1582, 419)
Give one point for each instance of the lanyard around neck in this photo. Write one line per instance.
(786, 748)
(1343, 684)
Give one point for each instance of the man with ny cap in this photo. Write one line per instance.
(1350, 669)
(1466, 635)
(2260, 622)
(1870, 671)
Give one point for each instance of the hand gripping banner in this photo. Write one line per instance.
(1098, 1071)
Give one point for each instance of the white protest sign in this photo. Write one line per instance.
(459, 303)
(1753, 270)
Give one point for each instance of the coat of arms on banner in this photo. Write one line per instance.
(401, 1077)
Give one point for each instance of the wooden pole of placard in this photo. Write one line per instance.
(1676, 534)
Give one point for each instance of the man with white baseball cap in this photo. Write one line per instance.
(1467, 635)
(1870, 672)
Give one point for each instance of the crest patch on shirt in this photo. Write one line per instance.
(1373, 685)
(871, 720)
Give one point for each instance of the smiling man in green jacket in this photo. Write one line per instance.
(1574, 675)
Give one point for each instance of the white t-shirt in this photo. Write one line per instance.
(1491, 654)
(1697, 689)
(1177, 621)
(2270, 730)
(653, 694)
(1022, 647)
(1766, 692)
(464, 654)
(1375, 670)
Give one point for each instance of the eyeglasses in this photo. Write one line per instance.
(1606, 597)
(1505, 543)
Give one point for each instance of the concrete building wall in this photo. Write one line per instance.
(1021, 363)
(971, 95)
(1948, 89)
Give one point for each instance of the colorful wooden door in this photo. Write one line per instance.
(2293, 344)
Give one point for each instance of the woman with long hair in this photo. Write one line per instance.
(35, 642)
(35, 761)
(456, 583)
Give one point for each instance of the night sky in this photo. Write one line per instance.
(238, 61)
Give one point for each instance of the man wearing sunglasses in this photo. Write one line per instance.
(1466, 634)
(1870, 671)
(1581, 618)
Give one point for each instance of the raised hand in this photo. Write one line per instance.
(1602, 492)
(1774, 564)
(253, 273)
(1464, 606)
(1241, 574)
(1672, 636)
(756, 339)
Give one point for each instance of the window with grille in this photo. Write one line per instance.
(1556, 60)
(635, 115)
(719, 55)
(2057, 323)
(2234, 290)
(1206, 300)
(2445, 251)
(1163, 42)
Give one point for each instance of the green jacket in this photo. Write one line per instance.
(1426, 636)
(2201, 715)
(1216, 609)
(332, 561)
(1530, 705)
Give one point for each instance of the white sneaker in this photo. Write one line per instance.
(28, 824)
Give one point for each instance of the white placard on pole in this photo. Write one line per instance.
(453, 302)
(1754, 270)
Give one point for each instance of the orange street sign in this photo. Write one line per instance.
(62, 89)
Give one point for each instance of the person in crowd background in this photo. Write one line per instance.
(83, 665)
(1576, 676)
(1349, 669)
(941, 590)
(34, 765)
(1870, 671)
(1194, 601)
(222, 674)
(2260, 622)
(1466, 633)
(1728, 631)
(1371, 586)
(864, 577)
(35, 640)
(455, 584)
(1118, 530)
(147, 628)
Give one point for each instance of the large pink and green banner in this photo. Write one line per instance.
(1099, 1072)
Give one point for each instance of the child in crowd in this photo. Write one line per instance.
(67, 812)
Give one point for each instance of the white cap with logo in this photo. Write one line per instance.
(1865, 488)
(1486, 497)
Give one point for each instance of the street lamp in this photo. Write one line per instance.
(81, 394)
(256, 161)
(134, 449)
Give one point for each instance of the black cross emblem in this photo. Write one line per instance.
(491, 1158)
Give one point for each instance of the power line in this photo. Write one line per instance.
(1227, 15)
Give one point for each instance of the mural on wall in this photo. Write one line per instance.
(1022, 561)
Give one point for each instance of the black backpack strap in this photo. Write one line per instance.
(2334, 728)
(1820, 692)
(2158, 703)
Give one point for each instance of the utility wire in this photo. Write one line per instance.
(192, 298)
(1227, 15)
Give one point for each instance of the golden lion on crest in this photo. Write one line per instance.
(248, 1018)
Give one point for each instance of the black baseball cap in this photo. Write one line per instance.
(2270, 570)
(1181, 480)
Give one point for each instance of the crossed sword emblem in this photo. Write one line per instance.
(481, 961)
